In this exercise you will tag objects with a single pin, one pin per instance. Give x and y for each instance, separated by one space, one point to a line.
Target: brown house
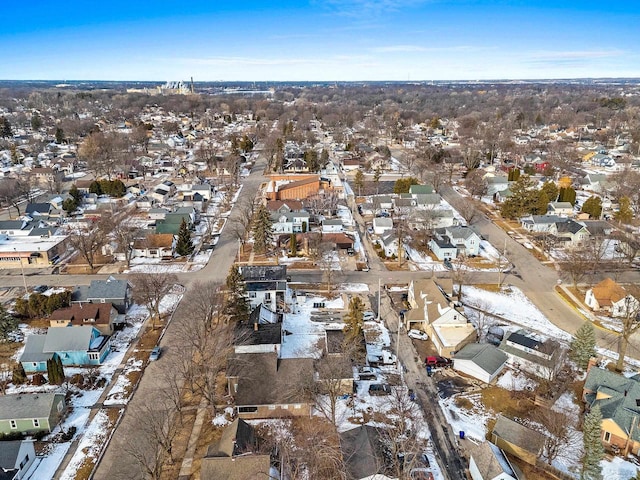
155 245
103 316
293 187
265 386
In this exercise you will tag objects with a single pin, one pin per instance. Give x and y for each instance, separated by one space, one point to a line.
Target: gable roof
518 435
77 314
361 451
34 349
489 459
254 273
608 292
484 355
264 379
245 467
69 339
420 189
27 405
237 438
110 288
9 455
619 398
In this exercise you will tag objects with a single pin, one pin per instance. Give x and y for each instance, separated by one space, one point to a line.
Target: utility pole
379 297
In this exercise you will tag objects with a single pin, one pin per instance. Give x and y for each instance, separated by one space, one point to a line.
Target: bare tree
242 217
468 211
326 264
475 183
89 242
558 431
150 288
576 263
460 273
630 322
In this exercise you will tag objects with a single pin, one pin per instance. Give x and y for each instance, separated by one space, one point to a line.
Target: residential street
116 464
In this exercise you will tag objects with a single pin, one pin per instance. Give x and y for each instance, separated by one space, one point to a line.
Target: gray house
16 457
31 412
116 292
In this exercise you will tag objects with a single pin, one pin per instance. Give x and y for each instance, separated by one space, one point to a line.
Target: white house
488 462
290 222
609 296
560 208
332 225
389 242
434 312
480 360
465 239
381 225
530 353
16 458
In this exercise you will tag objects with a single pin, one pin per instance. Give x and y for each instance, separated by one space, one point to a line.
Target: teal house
31 412
75 346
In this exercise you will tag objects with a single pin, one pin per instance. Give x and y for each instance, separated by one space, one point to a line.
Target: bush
68 435
38 379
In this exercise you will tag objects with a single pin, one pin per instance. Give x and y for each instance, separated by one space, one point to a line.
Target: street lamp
24 279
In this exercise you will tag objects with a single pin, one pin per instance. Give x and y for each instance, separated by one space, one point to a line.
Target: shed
480 360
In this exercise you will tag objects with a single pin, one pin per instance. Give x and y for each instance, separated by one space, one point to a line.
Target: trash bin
461 434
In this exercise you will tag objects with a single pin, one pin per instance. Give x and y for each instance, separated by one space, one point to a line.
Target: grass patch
7 351
463 402
489 287
512 404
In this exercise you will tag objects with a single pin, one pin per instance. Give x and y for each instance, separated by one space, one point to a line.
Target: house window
24 462
607 437
13 424
267 296
247 409
272 407
103 300
94 356
297 406
252 294
36 423
35 365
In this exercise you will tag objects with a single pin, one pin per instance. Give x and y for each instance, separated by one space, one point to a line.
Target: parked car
379 389
351 252
447 264
40 288
368 316
155 354
438 362
418 334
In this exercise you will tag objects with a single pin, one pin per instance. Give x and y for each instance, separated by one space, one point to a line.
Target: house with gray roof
265 285
31 412
619 401
518 440
262 385
421 190
290 222
16 457
111 290
234 456
363 453
531 353
488 462
74 346
480 360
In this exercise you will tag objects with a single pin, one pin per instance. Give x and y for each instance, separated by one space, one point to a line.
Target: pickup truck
437 362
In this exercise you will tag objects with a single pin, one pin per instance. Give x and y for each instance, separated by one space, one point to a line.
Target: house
619 401
340 241
540 223
264 386
293 187
284 206
611 297
363 454
434 312
75 346
265 284
443 249
571 232
420 190
488 462
528 352
172 221
381 225
262 334
155 245
100 315
16 457
116 292
30 412
332 225
560 208
32 251
234 456
517 440
496 184
465 239
290 222
480 360
389 243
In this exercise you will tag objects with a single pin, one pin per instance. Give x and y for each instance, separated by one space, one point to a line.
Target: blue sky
342 40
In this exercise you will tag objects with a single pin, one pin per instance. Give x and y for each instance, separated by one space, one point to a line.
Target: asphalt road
116 464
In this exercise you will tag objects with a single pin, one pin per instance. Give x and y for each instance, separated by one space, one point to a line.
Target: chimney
593 361
255 326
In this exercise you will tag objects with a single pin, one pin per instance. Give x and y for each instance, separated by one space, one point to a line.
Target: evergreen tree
18 376
624 213
567 194
36 122
69 205
184 247
551 189
311 158
59 371
403 185
524 198
358 181
583 345
5 128
52 371
593 206
262 233
293 245
377 173
15 159
354 319
541 204
237 304
514 175
59 135
8 324
593 449
95 187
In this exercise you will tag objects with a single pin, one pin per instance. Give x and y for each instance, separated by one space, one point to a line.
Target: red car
438 362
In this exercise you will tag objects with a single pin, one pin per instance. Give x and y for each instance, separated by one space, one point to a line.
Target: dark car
438 362
40 288
379 389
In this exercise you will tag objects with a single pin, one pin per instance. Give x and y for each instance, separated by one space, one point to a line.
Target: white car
368 316
418 335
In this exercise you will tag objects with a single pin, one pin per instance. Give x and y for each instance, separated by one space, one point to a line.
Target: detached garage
480 360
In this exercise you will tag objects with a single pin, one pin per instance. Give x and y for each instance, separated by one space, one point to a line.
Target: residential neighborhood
251 288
